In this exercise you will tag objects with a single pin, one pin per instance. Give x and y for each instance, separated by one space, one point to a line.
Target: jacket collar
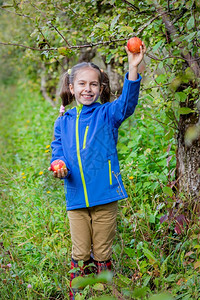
89 108
83 109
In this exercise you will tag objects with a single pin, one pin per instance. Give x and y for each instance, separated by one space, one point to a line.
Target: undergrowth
150 257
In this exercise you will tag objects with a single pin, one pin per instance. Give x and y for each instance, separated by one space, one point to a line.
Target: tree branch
162 13
50 24
100 43
131 5
27 47
183 11
192 63
172 56
13 12
56 29
151 21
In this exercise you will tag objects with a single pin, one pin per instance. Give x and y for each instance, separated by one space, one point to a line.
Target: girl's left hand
134 59
60 173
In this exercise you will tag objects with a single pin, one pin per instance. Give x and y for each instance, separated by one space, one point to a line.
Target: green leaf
124 279
190 36
161 78
157 45
130 252
185 110
170 278
180 96
169 134
149 254
161 297
146 280
152 219
98 287
168 191
190 23
6 5
102 25
106 298
74 270
148 97
117 249
109 57
81 282
126 29
114 21
198 171
163 267
80 263
64 51
104 277
139 292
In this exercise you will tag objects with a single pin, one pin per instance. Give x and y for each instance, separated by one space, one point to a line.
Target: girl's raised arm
134 59
124 106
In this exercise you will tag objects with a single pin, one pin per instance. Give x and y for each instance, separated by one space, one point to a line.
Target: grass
35 247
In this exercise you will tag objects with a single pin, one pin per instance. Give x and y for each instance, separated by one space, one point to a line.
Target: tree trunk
188 137
188 157
116 80
44 91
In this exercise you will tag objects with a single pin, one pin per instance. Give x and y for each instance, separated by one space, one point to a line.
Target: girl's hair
68 78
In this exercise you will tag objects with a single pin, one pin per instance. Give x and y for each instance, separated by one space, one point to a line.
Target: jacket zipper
85 136
79 157
110 171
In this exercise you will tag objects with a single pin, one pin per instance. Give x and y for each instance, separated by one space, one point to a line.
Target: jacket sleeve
56 145
121 108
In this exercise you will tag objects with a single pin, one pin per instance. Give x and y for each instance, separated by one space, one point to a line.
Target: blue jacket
86 140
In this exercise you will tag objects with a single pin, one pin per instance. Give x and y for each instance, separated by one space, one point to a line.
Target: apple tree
56 34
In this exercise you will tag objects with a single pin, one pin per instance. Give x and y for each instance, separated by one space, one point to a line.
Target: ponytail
105 94
65 93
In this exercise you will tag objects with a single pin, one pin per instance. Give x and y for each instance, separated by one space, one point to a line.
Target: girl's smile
86 87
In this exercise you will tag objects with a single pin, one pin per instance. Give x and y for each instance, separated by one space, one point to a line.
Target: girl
86 139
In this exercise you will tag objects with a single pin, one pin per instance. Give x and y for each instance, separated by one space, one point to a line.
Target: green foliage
95 281
34 230
151 254
35 247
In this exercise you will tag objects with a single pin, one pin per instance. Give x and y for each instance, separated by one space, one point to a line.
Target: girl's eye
94 84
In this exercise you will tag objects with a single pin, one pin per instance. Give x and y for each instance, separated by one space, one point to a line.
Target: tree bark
188 158
188 151
116 80
44 91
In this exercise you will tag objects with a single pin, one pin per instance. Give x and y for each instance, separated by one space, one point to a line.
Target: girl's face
86 87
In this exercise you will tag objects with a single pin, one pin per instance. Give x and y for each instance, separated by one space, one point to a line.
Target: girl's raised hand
134 59
61 173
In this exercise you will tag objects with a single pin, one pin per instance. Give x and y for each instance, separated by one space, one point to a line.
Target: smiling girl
86 139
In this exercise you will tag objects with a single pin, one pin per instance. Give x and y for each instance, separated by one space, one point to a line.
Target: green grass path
34 235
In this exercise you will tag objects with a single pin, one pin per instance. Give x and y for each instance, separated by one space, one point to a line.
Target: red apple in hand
134 44
57 165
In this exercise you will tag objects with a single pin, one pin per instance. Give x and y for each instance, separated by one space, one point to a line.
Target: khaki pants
93 228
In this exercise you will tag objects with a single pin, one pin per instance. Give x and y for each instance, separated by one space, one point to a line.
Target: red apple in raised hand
134 44
57 165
